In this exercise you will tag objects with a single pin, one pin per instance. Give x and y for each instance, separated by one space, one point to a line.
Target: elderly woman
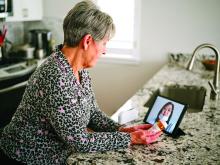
59 105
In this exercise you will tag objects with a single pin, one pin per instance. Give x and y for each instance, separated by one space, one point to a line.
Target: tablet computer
169 110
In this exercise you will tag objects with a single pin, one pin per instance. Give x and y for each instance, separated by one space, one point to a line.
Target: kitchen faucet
214 85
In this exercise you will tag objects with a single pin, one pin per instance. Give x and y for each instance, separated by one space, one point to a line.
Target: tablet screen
168 110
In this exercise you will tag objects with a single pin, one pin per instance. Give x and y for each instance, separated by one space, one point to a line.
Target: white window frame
122 55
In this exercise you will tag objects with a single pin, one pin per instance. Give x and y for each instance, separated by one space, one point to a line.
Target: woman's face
96 49
167 110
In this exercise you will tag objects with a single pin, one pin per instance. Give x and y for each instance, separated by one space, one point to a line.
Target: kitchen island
199 145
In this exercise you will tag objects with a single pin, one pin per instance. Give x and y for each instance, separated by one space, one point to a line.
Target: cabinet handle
25 12
6 5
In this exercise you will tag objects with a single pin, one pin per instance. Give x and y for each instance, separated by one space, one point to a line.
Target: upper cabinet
26 10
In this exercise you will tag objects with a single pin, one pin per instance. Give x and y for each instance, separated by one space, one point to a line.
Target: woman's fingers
144 137
135 128
144 126
152 138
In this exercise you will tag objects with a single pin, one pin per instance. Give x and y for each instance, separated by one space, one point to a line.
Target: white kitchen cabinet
26 10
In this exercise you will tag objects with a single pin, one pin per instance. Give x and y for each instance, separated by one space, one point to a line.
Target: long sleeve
70 115
52 119
100 121
70 121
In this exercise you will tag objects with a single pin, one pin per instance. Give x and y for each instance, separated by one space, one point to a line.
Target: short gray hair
86 18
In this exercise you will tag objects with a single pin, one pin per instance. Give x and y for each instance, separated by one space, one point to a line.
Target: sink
194 96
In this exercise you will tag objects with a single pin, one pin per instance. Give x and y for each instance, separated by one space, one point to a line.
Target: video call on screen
156 112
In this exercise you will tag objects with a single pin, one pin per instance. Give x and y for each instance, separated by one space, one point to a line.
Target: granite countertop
200 145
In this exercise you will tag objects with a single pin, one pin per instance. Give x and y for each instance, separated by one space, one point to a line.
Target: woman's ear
86 41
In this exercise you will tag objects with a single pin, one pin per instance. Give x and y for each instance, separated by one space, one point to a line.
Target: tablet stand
179 132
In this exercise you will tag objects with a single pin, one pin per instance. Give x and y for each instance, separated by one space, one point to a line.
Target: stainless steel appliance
6 8
41 40
13 81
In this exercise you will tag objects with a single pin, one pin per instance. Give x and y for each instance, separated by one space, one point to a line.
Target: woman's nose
165 112
104 51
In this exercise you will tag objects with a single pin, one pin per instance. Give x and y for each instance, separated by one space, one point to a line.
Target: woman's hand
135 128
144 137
140 134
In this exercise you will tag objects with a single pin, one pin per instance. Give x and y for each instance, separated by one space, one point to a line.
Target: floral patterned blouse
52 119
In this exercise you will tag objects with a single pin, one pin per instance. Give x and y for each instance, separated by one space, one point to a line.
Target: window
124 46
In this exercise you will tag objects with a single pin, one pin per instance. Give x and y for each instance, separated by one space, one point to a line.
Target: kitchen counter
200 145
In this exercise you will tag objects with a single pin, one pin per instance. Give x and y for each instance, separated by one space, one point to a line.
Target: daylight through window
123 47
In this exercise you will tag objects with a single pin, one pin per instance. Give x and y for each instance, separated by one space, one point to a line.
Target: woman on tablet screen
165 114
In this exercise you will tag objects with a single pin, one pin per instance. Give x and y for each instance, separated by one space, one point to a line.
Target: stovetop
12 70
8 62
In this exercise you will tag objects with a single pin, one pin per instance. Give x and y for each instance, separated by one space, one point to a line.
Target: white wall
175 25
166 26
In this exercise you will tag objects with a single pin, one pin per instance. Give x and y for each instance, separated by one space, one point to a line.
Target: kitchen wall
166 26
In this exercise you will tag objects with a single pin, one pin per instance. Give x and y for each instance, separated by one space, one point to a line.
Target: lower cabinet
10 98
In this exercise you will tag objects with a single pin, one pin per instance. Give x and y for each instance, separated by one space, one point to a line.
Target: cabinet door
26 10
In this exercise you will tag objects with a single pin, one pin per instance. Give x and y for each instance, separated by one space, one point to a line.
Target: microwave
6 8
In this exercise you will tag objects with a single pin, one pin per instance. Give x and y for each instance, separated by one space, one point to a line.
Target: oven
6 8
13 81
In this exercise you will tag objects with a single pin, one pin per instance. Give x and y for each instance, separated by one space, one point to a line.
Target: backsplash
55 25
18 31
15 32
